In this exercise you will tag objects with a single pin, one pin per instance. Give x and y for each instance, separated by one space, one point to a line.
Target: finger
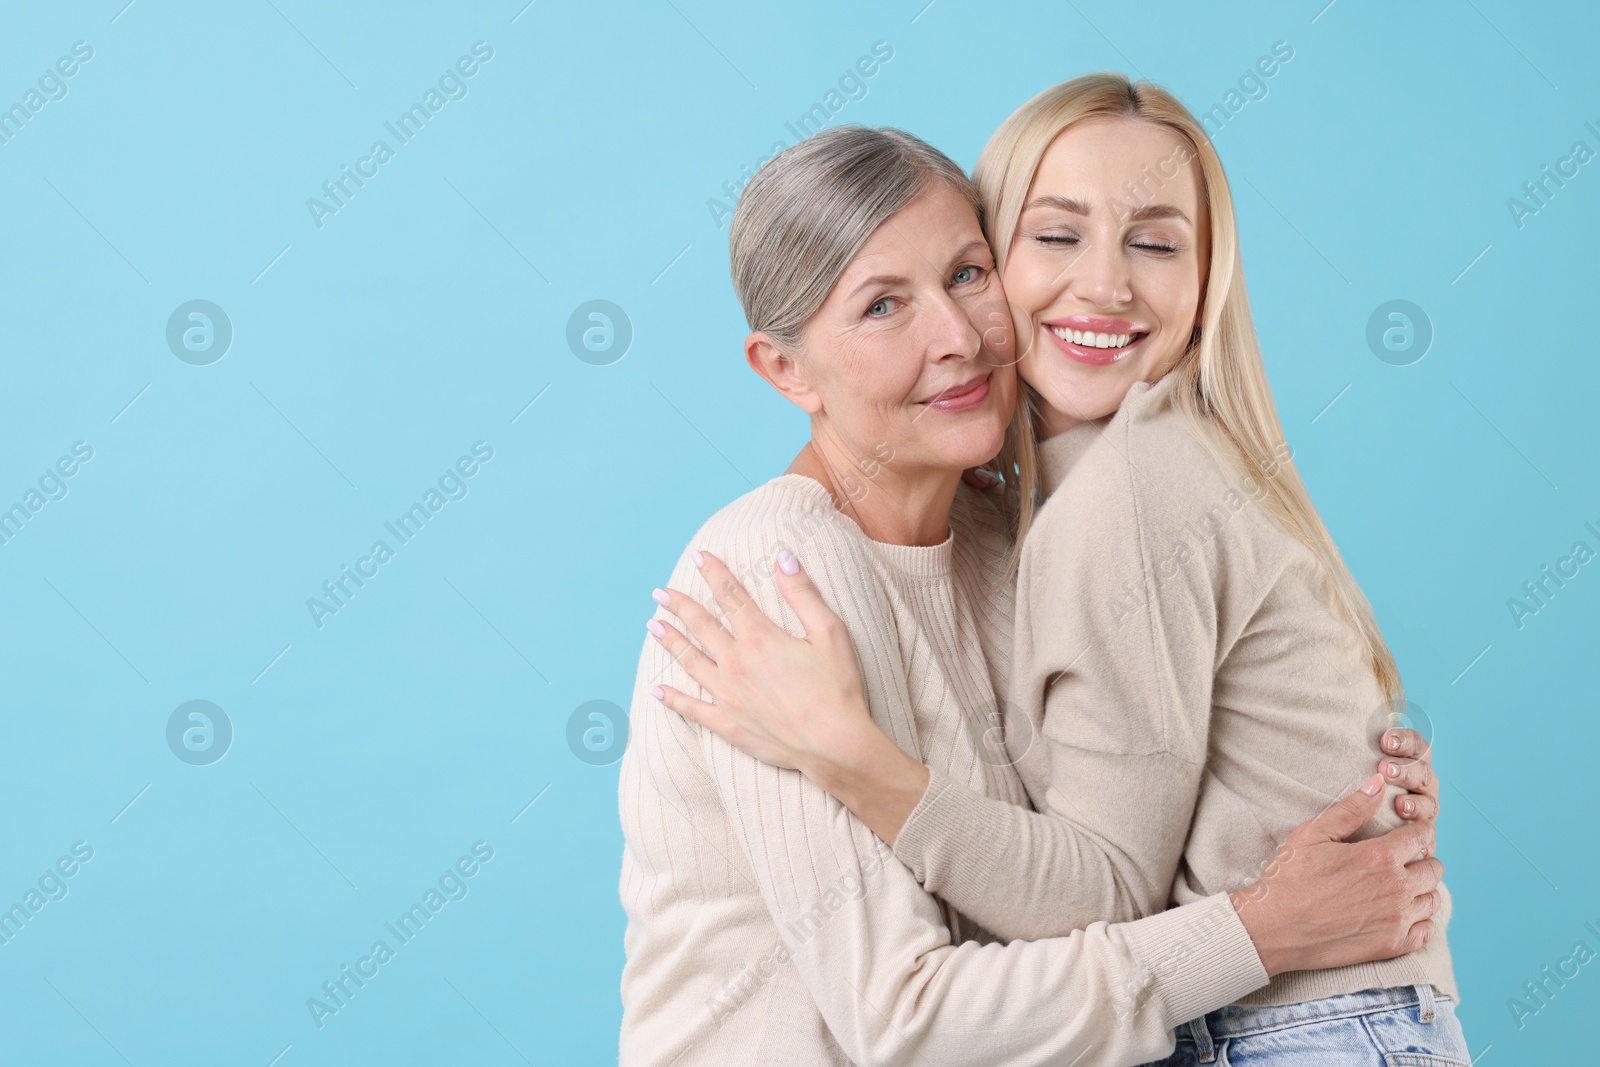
1405 743
980 477
1405 844
805 598
701 667
1424 877
699 712
1421 933
1417 775
703 626
1414 807
737 607
1347 814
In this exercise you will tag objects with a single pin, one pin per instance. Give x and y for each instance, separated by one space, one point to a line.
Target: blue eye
965 275
878 308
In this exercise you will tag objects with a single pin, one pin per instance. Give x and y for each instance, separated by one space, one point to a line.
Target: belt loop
1425 997
1202 1040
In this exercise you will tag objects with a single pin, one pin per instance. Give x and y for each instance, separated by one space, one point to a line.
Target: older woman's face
910 357
1104 272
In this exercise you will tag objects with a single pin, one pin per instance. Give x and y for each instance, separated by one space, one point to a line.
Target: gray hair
808 211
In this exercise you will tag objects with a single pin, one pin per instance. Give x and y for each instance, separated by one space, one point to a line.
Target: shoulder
797 513
790 511
1150 466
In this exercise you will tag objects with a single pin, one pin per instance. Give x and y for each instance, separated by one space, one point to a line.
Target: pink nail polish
787 562
658 692
698 557
655 627
660 597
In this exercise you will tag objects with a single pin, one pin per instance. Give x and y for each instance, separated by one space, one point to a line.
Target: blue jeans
1408 1026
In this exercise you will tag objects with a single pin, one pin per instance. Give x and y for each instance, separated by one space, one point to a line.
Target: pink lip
1095 357
1097 324
961 397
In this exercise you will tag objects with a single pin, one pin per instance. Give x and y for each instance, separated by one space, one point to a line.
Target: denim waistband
1237 1020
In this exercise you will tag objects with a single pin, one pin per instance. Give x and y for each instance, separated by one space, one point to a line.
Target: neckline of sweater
916 561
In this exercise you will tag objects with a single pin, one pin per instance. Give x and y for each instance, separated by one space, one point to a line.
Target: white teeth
1093 340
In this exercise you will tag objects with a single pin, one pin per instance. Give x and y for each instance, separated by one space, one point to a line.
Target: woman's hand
789 701
1409 765
1323 903
793 702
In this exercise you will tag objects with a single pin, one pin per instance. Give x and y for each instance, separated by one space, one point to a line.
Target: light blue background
370 353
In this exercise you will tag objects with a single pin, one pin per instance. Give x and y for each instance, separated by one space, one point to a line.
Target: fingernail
658 692
787 562
1407 806
1374 785
655 627
698 557
660 597
1392 742
1391 769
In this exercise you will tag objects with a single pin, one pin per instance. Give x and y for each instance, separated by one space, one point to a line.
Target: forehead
937 223
1097 157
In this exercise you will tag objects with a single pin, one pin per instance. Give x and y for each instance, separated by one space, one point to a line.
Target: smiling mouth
1090 339
1099 349
961 397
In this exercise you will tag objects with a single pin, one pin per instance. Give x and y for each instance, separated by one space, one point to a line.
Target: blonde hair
1222 383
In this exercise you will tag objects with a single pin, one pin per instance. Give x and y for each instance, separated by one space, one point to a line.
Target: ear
781 371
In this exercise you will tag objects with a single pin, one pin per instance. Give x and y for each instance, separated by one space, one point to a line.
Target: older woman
766 923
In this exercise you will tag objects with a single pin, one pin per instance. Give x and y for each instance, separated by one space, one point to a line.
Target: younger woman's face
1105 270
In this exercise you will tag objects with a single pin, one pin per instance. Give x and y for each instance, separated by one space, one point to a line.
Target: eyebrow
1138 214
974 245
880 279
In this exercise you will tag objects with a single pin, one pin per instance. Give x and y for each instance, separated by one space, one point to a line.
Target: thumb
802 593
1348 814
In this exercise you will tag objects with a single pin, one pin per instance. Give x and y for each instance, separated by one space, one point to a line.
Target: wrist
850 760
873 777
1263 926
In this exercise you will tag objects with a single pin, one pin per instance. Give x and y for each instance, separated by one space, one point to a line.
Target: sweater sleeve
1021 873
1115 642
872 946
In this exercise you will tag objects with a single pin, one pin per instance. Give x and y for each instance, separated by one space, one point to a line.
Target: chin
972 450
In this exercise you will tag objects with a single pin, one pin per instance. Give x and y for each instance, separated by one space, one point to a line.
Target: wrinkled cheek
1000 327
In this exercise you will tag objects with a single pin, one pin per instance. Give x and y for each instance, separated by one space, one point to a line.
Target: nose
952 335
1100 276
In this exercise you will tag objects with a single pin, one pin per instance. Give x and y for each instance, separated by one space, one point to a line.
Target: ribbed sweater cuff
1196 958
947 837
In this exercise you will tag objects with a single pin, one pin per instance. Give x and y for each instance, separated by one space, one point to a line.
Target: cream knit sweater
766 925
1182 698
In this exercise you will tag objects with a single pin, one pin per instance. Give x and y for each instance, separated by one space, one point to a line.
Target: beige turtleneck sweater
767 925
1183 696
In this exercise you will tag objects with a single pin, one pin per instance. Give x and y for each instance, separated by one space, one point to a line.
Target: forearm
893 988
1020 873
